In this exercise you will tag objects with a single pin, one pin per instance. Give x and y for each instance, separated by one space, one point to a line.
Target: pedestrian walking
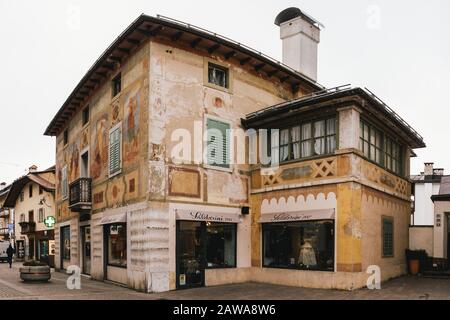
9 253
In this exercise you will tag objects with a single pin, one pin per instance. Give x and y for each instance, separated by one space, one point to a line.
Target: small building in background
426 230
32 199
6 216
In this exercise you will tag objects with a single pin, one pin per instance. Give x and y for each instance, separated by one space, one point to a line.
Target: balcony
80 195
27 227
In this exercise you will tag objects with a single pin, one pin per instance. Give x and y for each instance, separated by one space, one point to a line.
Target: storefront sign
196 215
52 247
324 214
118 218
50 222
20 247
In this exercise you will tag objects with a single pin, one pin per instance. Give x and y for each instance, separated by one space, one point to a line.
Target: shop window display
299 245
117 245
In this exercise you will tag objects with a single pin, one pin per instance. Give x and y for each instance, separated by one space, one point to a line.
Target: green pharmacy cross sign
50 221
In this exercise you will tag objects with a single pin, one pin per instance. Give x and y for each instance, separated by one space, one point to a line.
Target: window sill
212 167
112 175
116 266
216 87
297 269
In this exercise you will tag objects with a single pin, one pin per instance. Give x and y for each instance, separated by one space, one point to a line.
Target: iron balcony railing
80 195
27 227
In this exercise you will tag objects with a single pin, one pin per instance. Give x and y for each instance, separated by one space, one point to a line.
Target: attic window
218 75
66 137
117 85
85 115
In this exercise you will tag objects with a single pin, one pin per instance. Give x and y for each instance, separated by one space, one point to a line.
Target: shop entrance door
43 251
190 255
86 249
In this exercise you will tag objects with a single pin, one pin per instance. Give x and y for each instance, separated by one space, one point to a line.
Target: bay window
307 140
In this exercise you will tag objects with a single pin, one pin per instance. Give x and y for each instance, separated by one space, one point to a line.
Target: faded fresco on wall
132 107
74 156
116 113
99 140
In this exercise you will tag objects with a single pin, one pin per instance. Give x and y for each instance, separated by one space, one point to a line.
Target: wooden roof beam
177 36
245 61
196 42
124 50
230 54
270 74
259 66
212 49
133 41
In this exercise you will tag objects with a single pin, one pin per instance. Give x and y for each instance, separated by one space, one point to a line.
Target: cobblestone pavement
416 288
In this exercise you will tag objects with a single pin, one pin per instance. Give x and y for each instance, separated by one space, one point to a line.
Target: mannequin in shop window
307 256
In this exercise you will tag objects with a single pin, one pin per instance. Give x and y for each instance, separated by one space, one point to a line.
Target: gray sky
398 49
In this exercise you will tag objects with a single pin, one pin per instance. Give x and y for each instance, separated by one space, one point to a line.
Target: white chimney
428 168
301 36
33 168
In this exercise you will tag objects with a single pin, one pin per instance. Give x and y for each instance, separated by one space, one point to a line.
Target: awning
196 215
306 215
116 218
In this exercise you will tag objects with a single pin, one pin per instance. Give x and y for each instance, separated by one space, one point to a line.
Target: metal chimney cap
292 13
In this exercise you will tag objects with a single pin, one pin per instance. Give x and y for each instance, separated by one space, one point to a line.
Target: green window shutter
218 143
115 151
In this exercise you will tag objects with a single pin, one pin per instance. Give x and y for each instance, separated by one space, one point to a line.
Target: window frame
385 137
107 233
62 239
221 224
115 79
263 229
85 121
312 139
41 215
206 62
118 126
30 190
66 137
229 168
390 220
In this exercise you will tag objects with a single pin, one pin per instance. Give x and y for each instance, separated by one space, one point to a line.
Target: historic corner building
31 198
126 212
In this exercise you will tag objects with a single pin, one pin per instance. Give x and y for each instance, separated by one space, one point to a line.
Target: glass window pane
299 245
331 144
331 126
117 244
296 150
319 128
306 149
220 245
306 131
284 136
366 132
372 136
319 146
284 153
65 242
295 134
372 152
366 149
